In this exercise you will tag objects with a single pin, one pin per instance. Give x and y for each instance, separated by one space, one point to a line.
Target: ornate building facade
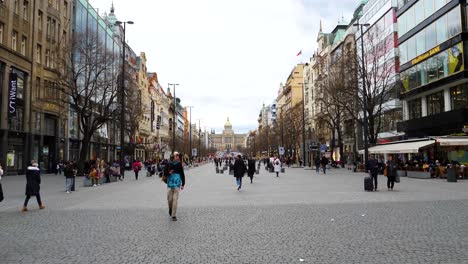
228 140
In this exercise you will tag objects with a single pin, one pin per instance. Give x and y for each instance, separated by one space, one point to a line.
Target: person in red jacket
136 168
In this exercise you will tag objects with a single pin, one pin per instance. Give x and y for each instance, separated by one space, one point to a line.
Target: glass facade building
432 42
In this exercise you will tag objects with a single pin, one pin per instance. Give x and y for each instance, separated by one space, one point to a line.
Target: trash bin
451 175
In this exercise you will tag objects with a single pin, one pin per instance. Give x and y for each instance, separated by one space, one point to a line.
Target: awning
399 148
452 141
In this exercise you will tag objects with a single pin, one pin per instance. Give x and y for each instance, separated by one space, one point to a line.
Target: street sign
194 152
281 150
313 146
323 148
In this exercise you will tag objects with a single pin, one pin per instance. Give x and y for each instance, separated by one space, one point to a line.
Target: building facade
228 141
432 43
31 125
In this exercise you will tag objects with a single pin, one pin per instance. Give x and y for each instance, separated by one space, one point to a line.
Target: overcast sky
229 56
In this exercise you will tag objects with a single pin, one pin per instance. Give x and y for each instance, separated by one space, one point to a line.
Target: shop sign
12 93
425 55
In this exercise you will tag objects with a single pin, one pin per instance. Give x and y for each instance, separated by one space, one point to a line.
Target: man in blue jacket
175 183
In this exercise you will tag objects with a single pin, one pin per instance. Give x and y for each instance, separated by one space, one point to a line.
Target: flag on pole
300 52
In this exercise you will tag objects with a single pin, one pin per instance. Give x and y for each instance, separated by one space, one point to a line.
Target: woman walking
33 182
277 166
251 169
239 171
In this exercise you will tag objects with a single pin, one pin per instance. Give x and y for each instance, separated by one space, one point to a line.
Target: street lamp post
190 133
174 122
303 126
364 92
122 98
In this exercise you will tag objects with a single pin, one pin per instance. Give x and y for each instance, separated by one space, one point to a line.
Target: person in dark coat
239 171
372 168
251 169
33 182
392 168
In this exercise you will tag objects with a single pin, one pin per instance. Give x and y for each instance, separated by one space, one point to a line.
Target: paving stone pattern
300 215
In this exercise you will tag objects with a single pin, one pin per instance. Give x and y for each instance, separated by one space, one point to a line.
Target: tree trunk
340 145
332 144
84 153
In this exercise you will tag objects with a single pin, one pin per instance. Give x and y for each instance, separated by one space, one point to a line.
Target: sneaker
68 192
94 185
24 209
42 207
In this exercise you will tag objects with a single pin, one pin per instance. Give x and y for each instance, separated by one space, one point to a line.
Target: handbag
385 172
164 178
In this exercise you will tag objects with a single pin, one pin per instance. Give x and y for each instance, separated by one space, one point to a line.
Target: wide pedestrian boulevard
298 217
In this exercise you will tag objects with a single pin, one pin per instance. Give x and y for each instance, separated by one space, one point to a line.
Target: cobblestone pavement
297 217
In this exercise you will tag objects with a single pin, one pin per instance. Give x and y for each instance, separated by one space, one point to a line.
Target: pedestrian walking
277 166
69 175
33 183
239 171
251 169
372 167
317 164
1 190
324 163
175 179
392 168
136 168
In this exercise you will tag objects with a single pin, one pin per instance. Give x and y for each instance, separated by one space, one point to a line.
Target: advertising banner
12 93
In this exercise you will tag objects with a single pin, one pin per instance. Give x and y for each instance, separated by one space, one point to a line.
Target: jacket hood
33 168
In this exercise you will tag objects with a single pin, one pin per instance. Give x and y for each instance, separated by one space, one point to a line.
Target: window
53 27
14 39
442 64
421 74
459 96
418 12
402 25
38 122
454 22
39 20
431 37
411 48
37 91
438 4
435 103
2 28
15 6
23 45
48 25
20 86
65 8
403 52
25 10
47 58
428 7
431 67
52 60
412 78
38 53
420 43
414 108
441 29
16 123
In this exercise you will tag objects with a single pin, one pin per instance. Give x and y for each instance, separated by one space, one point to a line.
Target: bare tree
335 101
134 109
378 75
87 84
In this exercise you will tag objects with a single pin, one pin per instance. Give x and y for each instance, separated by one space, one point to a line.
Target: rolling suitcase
368 184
